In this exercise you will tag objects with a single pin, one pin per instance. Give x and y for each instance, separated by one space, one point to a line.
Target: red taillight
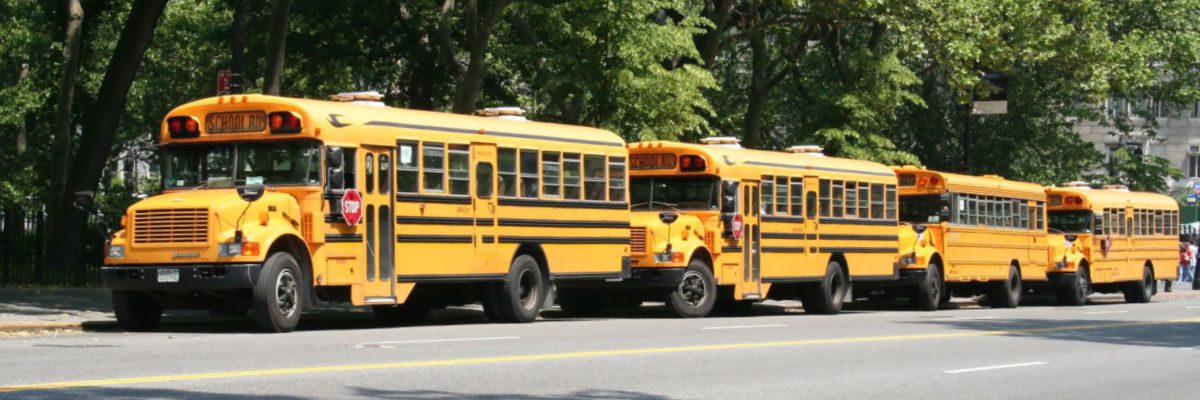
933 181
183 127
922 181
284 122
689 163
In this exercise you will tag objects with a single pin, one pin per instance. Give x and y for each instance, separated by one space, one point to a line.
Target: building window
1193 169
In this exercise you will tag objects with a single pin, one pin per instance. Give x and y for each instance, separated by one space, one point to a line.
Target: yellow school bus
975 235
716 222
1124 240
271 204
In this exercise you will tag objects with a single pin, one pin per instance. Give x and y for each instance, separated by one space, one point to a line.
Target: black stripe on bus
435 220
832 236
343 238
854 249
434 238
731 249
493 133
450 278
563 203
856 221
565 240
782 249
572 276
775 235
331 218
816 168
489 239
417 198
792 279
787 219
551 223
864 278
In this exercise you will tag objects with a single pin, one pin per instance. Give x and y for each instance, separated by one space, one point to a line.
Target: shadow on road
139 393
578 394
1134 333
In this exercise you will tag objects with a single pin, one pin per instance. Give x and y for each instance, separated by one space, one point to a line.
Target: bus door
811 223
379 220
1124 268
483 200
751 237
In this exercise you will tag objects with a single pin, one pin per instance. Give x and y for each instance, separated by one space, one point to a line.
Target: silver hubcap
692 288
528 290
285 293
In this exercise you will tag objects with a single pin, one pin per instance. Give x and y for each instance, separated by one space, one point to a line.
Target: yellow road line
558 356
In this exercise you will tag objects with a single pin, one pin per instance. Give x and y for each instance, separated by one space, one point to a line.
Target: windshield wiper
653 202
208 182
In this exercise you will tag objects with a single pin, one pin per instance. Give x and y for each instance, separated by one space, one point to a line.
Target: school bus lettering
235 122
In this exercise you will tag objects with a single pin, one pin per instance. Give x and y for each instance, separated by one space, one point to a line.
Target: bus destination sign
652 161
234 122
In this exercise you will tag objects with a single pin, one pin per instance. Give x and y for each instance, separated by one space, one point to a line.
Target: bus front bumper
180 276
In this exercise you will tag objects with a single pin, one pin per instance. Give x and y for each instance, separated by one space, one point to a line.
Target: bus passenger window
460 169
797 196
551 174
826 210
593 177
507 160
483 180
406 168
876 200
811 199
864 200
851 199
529 173
890 198
616 179
781 194
433 161
768 187
839 199
571 176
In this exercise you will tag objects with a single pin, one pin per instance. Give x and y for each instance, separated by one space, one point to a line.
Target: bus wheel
1007 294
136 311
414 311
581 302
278 299
827 297
696 293
928 296
523 292
1075 293
1141 291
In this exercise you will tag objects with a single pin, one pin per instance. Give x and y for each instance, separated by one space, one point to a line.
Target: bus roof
986 185
327 119
752 162
1099 199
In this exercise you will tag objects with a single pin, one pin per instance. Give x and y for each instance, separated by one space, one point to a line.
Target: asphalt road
1107 350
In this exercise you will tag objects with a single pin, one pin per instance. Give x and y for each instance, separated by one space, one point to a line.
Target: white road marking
1107 312
1028 364
743 326
1192 307
1190 348
387 344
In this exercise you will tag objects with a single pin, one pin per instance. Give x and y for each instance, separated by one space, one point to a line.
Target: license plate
652 161
232 122
168 275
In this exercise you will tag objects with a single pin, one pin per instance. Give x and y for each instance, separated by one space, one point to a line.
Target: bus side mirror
944 214
729 206
335 176
1097 222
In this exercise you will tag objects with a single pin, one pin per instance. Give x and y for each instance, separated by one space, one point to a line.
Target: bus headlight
1060 265
668 257
229 249
908 260
116 251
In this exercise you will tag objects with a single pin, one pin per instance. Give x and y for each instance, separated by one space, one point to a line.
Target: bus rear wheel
1076 292
136 311
928 293
523 292
1142 290
696 293
1007 294
278 294
827 297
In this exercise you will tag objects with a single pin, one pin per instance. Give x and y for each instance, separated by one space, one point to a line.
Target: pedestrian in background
1192 266
1185 262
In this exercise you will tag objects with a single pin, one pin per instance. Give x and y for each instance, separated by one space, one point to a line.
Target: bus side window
460 169
406 168
797 196
781 195
529 173
876 201
768 187
864 200
838 198
616 179
507 160
551 174
826 210
593 177
433 163
483 180
851 199
571 176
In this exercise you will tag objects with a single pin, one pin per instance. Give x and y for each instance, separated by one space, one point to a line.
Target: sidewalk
79 309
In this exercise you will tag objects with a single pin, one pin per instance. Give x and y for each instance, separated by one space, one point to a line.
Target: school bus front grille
178 225
637 240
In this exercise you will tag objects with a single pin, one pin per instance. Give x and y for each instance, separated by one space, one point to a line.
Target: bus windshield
680 193
920 209
222 165
1077 221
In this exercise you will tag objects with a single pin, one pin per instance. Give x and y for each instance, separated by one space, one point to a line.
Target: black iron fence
22 234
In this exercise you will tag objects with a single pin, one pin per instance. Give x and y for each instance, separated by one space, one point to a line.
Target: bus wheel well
535 251
841 259
702 254
936 259
296 247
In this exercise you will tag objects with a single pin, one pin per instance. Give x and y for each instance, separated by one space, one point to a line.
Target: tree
277 46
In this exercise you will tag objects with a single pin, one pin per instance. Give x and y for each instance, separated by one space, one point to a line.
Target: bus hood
212 214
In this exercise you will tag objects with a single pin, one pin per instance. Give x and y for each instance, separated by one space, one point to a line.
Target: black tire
136 311
412 312
696 293
279 294
1141 291
581 302
928 294
524 291
1076 292
828 296
1007 294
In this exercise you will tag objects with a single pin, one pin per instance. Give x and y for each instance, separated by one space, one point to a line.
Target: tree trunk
709 43
60 146
238 68
100 128
478 34
759 87
22 141
278 46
